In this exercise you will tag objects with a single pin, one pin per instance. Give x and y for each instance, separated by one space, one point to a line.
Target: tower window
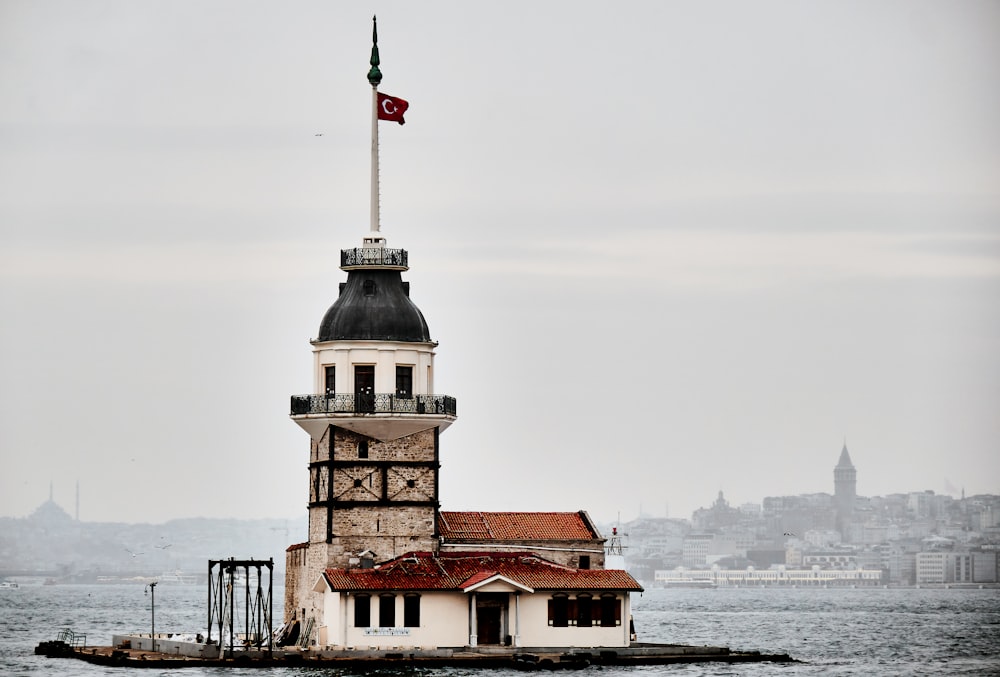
331 381
404 382
584 561
410 484
387 611
369 287
363 449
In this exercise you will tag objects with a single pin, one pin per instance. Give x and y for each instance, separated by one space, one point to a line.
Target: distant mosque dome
374 305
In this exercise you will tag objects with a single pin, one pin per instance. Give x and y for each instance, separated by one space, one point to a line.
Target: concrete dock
551 658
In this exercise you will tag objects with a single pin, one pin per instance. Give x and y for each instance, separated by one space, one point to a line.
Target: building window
584 561
387 611
411 611
369 287
363 449
611 611
331 381
584 611
404 382
362 611
559 610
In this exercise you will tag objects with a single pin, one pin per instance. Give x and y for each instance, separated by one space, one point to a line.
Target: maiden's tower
384 566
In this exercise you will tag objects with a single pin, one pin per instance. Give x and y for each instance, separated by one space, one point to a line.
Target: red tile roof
459 571
516 526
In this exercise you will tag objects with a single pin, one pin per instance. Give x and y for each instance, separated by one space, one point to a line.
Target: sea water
862 631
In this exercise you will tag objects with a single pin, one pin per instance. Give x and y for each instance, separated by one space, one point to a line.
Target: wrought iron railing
374 256
373 403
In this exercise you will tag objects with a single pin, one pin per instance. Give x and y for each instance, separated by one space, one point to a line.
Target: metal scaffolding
228 581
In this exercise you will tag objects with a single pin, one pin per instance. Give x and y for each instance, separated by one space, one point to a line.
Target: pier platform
551 658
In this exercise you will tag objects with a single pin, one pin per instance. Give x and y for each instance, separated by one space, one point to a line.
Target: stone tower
845 482
374 425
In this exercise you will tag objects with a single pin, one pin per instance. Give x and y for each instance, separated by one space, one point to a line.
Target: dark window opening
404 382
362 611
584 611
369 287
364 388
357 483
363 449
559 610
611 611
410 484
411 611
584 561
387 611
331 381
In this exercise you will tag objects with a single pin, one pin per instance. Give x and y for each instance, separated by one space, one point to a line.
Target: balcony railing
374 256
373 403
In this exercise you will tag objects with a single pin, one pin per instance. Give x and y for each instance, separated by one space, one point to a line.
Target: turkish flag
391 108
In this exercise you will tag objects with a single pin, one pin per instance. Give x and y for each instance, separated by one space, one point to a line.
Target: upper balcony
384 416
373 403
374 257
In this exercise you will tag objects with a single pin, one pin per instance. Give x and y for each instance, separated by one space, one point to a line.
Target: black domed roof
374 305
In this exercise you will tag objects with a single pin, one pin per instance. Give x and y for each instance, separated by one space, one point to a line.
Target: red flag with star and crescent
391 108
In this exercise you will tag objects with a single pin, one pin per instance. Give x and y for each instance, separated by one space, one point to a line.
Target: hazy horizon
667 248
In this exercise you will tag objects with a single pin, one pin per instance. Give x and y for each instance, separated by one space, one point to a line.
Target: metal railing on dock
74 639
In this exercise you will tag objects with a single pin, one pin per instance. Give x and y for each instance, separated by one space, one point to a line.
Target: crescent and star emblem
388 107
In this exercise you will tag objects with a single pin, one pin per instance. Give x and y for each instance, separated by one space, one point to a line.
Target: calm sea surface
834 632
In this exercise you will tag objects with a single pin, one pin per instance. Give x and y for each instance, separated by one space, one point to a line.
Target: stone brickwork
375 496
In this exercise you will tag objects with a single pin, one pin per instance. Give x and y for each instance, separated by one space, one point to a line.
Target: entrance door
364 388
490 607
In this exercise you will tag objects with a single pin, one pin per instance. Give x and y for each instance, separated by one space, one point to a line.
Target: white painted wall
385 355
536 631
444 619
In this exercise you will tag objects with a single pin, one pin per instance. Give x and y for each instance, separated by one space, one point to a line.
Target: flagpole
374 78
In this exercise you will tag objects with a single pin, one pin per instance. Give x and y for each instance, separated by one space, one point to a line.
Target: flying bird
789 533
134 554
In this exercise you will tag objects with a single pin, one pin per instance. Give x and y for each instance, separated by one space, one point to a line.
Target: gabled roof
517 526
464 571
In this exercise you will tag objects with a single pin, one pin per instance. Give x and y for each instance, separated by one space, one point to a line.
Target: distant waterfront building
845 484
814 576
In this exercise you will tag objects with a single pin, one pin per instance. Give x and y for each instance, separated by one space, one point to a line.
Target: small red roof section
459 571
517 526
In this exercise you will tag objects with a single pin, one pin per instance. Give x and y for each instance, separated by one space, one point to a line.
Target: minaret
373 421
845 481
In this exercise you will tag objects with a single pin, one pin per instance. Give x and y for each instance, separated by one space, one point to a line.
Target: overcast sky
667 248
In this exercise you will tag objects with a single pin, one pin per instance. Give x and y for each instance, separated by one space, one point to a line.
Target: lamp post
151 588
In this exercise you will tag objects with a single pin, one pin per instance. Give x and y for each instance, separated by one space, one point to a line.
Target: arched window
559 610
386 611
611 611
411 610
362 611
